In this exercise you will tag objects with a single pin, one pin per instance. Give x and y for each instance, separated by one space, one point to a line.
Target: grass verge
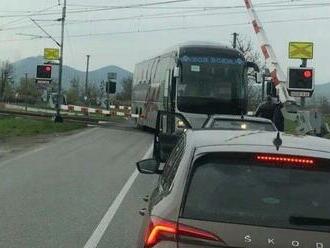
19 126
290 126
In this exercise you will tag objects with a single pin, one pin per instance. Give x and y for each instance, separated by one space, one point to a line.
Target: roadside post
26 91
111 86
301 79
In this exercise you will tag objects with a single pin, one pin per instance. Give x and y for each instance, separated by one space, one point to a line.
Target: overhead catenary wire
154 6
100 9
179 14
173 15
23 17
189 27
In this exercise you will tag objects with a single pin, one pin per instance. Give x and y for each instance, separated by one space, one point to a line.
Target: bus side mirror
258 76
271 89
253 65
176 72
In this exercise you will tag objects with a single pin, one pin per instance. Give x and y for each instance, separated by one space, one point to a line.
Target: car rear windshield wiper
308 221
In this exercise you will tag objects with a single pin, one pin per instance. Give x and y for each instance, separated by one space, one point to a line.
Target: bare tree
126 94
246 47
73 93
28 91
324 105
6 71
94 93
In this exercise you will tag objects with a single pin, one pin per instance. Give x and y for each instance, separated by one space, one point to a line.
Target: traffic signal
111 87
44 72
301 79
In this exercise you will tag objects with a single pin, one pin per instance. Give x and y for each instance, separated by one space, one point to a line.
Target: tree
247 48
6 71
74 92
9 93
27 90
94 93
126 94
324 105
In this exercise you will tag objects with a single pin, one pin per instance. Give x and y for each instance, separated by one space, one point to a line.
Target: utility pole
2 83
235 35
87 72
58 117
4 77
303 99
108 94
26 91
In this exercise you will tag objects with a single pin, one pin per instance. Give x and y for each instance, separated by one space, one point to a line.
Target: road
80 191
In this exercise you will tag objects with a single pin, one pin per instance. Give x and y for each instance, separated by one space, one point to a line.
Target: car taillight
286 159
160 229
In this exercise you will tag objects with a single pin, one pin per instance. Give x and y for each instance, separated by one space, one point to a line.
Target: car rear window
242 125
239 189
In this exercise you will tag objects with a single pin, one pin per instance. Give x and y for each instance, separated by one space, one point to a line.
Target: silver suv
238 189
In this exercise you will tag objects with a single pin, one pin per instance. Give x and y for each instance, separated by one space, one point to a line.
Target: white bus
195 80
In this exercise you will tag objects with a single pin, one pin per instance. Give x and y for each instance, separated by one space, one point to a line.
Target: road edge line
99 231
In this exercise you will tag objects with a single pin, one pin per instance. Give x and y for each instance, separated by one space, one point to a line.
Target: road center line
107 218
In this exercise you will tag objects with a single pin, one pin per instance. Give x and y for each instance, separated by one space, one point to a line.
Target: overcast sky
125 50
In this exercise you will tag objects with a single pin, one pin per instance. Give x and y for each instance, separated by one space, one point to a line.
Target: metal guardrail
124 111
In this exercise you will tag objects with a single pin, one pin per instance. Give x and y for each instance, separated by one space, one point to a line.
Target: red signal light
44 72
160 229
286 159
308 74
47 68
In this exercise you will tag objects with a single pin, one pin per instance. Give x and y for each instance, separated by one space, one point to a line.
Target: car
235 122
234 188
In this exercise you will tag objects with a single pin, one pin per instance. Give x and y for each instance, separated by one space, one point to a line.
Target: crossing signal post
44 73
301 79
43 76
111 86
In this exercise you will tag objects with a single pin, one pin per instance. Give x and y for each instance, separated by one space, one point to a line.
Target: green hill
29 65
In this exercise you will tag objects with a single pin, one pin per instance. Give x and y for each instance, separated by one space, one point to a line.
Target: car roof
258 141
239 117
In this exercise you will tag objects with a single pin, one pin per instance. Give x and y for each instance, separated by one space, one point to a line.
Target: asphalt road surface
80 191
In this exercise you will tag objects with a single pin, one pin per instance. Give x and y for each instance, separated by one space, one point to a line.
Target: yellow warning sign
51 54
301 50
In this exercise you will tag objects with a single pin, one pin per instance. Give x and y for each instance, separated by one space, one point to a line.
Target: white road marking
23 155
107 218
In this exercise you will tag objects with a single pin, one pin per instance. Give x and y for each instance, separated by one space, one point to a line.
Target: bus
196 80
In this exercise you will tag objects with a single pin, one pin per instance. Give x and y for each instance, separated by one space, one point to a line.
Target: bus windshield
211 85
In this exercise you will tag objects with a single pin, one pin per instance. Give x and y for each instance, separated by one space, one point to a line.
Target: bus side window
167 82
163 124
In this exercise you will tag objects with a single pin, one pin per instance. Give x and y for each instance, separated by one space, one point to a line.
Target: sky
126 36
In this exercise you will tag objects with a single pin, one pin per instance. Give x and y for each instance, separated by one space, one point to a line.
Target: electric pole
87 72
26 91
235 35
303 99
58 117
2 83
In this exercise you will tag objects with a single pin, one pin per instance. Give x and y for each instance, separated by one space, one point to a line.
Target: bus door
167 136
167 88
173 91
